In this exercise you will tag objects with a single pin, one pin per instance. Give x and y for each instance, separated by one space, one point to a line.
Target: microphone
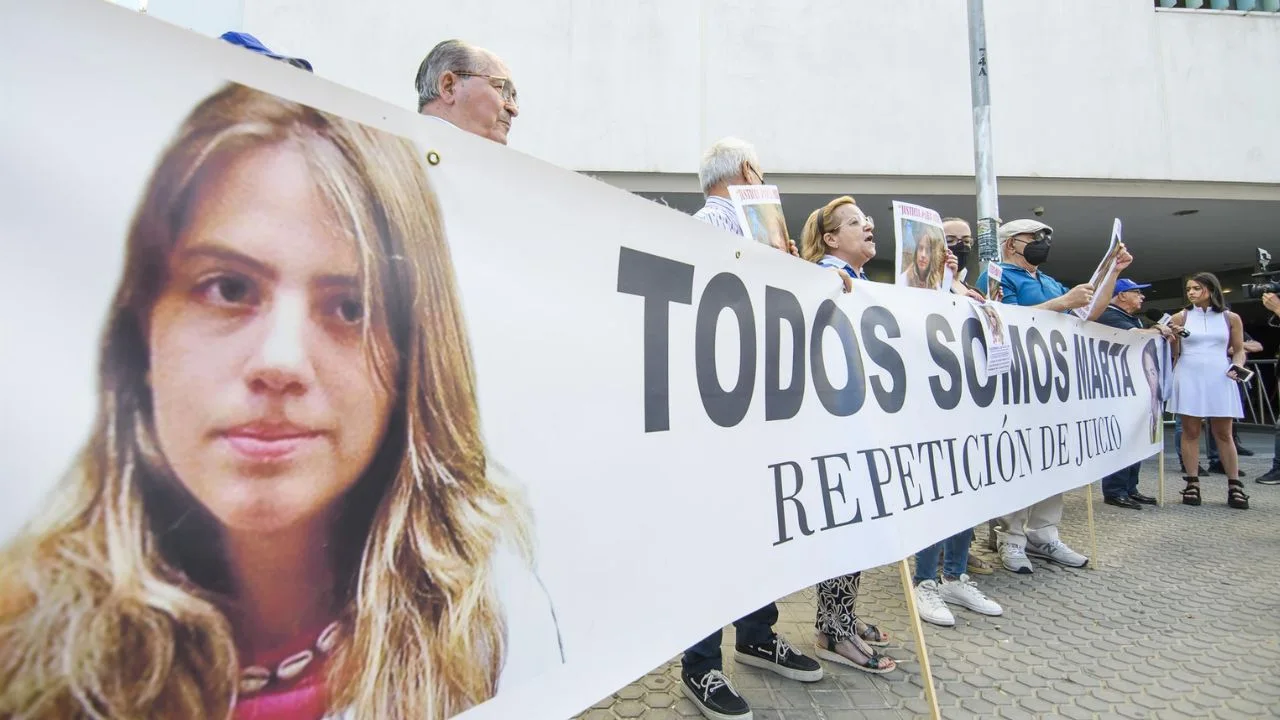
1164 319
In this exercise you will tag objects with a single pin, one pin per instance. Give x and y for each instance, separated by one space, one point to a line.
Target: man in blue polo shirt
1025 246
1120 488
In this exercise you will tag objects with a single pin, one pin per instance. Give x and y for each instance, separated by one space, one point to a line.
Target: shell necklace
256 678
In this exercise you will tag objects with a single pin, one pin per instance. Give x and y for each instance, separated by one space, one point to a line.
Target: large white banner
237 390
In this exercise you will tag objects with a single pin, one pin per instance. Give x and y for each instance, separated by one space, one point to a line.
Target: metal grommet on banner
433 157
737 254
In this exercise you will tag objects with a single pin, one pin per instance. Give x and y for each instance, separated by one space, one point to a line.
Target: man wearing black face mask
1025 245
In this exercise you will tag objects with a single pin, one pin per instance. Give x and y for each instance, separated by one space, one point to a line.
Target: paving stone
868 699
1016 713
979 708
1015 689
1035 704
1092 704
631 692
1055 696
659 700
831 699
881 715
1108 696
656 682
686 708
1125 687
1075 712
1250 709
1148 701
1132 712
1187 709
1214 691
758 697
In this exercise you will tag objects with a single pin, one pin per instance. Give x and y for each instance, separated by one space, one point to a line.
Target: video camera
1270 278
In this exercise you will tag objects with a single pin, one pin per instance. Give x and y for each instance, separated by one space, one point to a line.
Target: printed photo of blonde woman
285 506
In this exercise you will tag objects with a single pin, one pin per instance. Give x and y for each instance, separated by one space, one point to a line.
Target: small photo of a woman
285 507
924 264
1151 370
995 326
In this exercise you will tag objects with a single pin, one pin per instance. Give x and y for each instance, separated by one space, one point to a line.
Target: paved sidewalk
1181 619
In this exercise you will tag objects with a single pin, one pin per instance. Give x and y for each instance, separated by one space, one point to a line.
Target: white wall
207 17
1095 89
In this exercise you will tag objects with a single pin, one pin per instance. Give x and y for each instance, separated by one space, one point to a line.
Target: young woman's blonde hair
819 223
110 603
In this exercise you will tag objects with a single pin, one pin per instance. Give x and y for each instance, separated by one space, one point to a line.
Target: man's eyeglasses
1032 237
504 85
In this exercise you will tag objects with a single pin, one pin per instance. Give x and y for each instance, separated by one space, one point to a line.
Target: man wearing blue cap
1120 488
249 42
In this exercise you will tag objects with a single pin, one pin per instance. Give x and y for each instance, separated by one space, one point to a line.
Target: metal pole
983 158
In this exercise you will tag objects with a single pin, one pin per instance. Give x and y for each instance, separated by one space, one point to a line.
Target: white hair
723 161
447 56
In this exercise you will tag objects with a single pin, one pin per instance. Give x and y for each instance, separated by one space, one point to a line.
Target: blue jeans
1122 483
1275 459
954 551
754 629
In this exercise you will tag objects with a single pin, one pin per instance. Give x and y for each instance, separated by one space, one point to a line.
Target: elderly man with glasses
468 87
731 161
1025 246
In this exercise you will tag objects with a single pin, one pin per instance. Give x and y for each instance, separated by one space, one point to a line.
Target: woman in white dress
1204 383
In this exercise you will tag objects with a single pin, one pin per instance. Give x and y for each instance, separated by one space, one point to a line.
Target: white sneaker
1057 551
930 605
965 593
1014 559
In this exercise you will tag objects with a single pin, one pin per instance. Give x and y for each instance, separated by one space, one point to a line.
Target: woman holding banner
838 235
1204 383
284 508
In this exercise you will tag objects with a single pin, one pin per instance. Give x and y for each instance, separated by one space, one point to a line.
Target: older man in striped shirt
728 162
733 162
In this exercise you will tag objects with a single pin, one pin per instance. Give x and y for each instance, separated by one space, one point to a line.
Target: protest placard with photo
1104 268
920 260
760 214
994 332
995 272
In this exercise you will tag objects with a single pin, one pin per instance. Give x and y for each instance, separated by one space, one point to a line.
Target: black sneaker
714 697
779 656
1271 477
1243 451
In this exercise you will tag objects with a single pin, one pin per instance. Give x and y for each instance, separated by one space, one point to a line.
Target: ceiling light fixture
1184 213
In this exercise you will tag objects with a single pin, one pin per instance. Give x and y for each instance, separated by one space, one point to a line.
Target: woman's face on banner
267 405
1152 372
